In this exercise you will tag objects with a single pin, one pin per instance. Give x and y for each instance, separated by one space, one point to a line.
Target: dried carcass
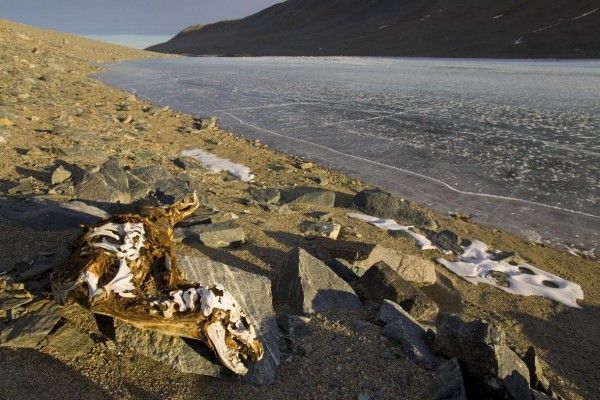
124 267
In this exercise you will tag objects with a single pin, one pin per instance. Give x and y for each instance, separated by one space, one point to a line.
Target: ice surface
477 262
515 144
217 164
391 225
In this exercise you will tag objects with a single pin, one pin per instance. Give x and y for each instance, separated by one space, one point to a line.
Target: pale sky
157 17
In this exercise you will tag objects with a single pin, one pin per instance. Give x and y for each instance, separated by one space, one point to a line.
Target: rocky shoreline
348 308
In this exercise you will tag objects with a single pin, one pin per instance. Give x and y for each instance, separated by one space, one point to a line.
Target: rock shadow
29 374
570 341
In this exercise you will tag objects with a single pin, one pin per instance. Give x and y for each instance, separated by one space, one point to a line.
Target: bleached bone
178 299
122 283
217 335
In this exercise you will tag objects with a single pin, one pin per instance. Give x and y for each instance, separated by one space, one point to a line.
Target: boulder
447 383
447 240
405 330
481 347
265 196
359 256
309 195
381 282
253 293
382 204
59 175
31 328
218 235
416 269
306 285
108 184
183 355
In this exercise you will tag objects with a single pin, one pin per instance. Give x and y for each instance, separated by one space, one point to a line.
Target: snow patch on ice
477 263
217 164
391 225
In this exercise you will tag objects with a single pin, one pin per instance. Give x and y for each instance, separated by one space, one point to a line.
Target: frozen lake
516 144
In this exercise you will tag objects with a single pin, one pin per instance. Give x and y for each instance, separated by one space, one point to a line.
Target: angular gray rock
481 347
381 282
59 175
265 196
306 285
309 195
188 356
253 292
416 269
447 240
448 383
108 183
379 203
405 330
218 235
28 330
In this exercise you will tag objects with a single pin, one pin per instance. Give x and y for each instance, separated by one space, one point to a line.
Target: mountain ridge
434 28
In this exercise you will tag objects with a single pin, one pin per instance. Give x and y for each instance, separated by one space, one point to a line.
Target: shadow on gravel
31 375
571 345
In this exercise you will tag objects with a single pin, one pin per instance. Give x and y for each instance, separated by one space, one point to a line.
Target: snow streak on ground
515 142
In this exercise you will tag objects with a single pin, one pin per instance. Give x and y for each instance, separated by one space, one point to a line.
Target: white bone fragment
122 283
169 308
91 279
178 299
191 297
216 334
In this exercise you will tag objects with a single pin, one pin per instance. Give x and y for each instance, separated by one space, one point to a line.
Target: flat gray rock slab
306 285
70 342
222 234
188 356
30 329
253 292
307 195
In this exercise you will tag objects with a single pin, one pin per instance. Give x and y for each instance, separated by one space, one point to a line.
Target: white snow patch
391 225
477 262
217 164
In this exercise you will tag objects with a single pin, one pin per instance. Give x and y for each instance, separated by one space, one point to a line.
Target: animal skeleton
124 267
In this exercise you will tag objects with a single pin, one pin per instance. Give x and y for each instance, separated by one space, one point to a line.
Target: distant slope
440 28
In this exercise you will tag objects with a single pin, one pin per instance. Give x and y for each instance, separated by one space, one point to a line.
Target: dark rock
321 216
169 190
33 267
382 204
536 373
215 235
309 195
30 329
265 196
448 383
205 123
381 282
253 292
306 285
481 348
405 330
294 325
447 240
138 189
109 184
